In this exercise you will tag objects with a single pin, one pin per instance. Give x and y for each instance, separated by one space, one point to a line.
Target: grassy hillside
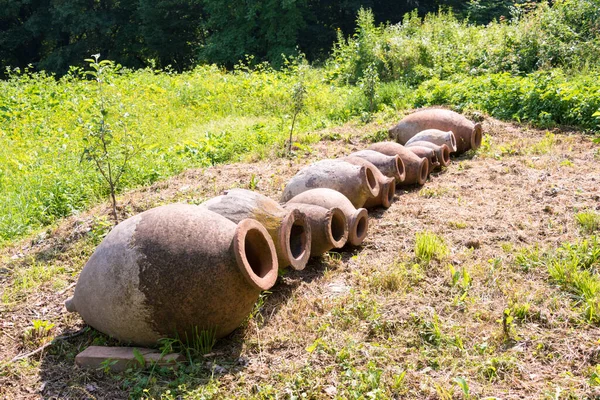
541 68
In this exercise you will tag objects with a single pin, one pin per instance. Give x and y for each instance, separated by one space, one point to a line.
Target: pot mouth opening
372 181
338 227
255 254
453 140
445 155
297 239
476 136
400 171
360 227
389 193
423 171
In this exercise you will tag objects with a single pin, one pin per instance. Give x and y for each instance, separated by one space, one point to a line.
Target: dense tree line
52 35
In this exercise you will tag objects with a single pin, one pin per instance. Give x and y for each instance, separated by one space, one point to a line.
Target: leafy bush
544 98
440 45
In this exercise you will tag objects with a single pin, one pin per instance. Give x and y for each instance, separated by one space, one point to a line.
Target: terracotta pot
173 271
442 152
391 166
435 136
468 134
358 221
357 183
387 186
289 229
426 152
328 227
416 168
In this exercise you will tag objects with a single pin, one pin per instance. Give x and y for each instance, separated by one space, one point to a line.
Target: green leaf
139 357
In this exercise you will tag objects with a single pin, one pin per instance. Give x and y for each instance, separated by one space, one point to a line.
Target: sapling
109 147
298 96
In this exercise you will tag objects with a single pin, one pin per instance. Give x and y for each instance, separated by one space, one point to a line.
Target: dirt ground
334 330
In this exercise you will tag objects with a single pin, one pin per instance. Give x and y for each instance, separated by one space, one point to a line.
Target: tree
108 145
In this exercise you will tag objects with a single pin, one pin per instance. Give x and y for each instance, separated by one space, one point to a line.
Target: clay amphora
468 134
426 152
442 152
387 186
391 166
288 228
358 221
357 183
328 227
416 169
175 271
435 136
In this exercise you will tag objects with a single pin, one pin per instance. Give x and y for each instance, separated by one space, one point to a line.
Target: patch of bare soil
322 329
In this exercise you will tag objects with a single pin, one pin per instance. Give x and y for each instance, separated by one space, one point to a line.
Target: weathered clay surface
435 136
118 359
391 166
426 152
387 186
416 168
358 221
329 227
288 228
442 152
468 134
173 270
357 183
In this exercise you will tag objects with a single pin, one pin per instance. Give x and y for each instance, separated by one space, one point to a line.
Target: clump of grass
398 277
432 193
429 246
457 224
588 221
573 268
543 146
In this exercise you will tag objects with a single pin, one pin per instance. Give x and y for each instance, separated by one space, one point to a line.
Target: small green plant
108 150
431 332
432 193
464 386
299 92
457 224
253 183
594 379
429 246
201 342
459 277
38 332
368 83
588 221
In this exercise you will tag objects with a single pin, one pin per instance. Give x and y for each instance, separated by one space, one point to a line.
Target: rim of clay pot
295 236
337 228
388 190
476 136
444 155
371 181
358 227
400 172
453 140
423 171
255 254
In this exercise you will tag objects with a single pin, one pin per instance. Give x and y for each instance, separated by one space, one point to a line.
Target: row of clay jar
180 269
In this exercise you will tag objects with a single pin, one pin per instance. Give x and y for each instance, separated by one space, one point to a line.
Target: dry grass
372 321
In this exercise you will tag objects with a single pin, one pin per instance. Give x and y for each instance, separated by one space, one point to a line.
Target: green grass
195 119
588 221
429 246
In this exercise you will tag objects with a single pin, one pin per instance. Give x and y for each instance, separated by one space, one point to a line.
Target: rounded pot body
174 271
387 186
425 152
357 183
329 227
390 166
435 136
415 167
288 228
467 134
358 221
442 152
